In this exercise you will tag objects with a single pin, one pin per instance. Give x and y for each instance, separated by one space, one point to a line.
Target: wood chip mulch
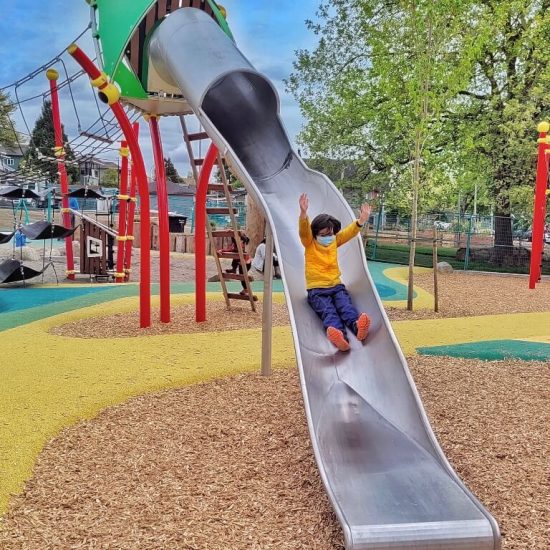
467 294
224 465
228 465
219 318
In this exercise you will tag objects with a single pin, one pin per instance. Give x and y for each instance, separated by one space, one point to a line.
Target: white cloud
268 33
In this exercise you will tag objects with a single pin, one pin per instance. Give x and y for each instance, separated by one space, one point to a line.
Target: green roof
117 21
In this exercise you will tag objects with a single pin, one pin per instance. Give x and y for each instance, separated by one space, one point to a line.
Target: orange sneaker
337 338
363 324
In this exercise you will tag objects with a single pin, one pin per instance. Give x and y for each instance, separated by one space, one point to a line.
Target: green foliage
229 176
109 178
507 94
7 135
378 82
463 82
171 172
522 201
40 155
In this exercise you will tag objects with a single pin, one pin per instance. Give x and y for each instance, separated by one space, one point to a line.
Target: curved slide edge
388 480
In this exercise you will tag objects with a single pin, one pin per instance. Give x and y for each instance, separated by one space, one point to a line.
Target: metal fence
465 241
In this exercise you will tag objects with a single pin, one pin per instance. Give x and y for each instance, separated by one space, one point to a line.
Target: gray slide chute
384 472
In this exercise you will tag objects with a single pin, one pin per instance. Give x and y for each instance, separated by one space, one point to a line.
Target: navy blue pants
333 305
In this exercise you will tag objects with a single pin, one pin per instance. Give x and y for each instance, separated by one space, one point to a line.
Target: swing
14 270
45 230
6 237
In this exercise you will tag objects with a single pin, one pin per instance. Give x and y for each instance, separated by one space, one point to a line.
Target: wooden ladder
232 231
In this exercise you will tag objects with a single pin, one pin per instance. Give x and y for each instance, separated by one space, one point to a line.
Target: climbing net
91 128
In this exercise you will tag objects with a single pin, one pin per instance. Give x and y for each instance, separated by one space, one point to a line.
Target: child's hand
304 204
365 213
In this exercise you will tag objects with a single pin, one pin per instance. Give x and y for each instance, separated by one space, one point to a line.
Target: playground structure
386 476
539 212
383 470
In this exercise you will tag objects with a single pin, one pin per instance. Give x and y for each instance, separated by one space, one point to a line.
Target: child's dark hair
244 239
325 221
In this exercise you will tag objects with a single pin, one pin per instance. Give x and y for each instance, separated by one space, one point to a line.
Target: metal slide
385 474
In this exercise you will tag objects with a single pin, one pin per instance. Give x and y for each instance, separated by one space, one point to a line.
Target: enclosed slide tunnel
384 472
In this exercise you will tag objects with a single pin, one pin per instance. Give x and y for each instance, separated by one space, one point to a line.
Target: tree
171 172
40 154
506 97
8 136
109 178
376 87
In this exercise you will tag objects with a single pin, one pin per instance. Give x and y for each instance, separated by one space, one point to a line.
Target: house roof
173 188
13 151
97 162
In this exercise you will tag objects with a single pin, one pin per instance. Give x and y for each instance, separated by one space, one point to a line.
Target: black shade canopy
12 192
45 230
87 193
12 271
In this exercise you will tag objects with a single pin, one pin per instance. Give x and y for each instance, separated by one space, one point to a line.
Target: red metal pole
164 234
109 93
122 206
200 233
131 213
52 76
539 213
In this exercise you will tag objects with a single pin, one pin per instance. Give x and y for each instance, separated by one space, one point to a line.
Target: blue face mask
325 240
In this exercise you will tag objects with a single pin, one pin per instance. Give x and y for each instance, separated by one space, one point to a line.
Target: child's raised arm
305 229
354 228
364 215
304 205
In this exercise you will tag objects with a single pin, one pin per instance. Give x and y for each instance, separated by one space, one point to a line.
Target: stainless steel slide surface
385 474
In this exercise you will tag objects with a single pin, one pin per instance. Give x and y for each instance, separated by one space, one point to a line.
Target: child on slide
325 292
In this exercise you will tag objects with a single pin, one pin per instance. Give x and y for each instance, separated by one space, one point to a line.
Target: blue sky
32 33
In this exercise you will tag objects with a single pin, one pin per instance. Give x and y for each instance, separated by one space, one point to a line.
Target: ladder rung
234 277
220 211
224 233
197 135
241 297
198 162
229 255
219 187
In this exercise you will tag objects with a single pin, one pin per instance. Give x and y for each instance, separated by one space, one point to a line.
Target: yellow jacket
322 269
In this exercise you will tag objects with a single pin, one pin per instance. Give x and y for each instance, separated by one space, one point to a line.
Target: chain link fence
465 241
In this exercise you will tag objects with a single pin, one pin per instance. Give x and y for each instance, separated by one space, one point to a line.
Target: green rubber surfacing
493 350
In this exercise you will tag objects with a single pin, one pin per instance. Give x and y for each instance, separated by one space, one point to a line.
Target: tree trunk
503 221
414 216
503 230
255 224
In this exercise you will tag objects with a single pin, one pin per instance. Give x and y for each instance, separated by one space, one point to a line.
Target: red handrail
109 93
164 234
131 212
52 76
200 233
539 212
122 207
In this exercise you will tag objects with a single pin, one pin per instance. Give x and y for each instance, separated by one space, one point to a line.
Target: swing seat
13 192
13 271
6 237
43 230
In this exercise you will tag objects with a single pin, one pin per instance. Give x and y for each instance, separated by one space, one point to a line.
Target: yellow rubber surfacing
50 382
